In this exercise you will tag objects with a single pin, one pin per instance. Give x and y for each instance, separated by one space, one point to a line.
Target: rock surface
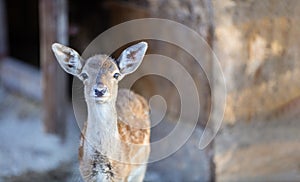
258 48
264 150
257 45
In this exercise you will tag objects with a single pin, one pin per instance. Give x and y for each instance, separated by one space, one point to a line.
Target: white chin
101 100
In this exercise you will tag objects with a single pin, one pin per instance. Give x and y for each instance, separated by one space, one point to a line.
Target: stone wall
197 15
257 43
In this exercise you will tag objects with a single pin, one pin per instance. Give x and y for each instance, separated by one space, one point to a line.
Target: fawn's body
115 139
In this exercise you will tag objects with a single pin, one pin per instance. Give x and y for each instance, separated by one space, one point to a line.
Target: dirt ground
28 154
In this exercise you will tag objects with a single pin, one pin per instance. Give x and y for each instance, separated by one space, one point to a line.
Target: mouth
98 99
101 99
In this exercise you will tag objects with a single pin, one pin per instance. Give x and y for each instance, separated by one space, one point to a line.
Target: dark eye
84 76
116 75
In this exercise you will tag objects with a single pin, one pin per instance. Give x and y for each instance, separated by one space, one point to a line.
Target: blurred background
257 44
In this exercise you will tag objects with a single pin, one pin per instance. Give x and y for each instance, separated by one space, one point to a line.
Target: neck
101 128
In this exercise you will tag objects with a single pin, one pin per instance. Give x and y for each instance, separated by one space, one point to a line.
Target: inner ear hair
68 59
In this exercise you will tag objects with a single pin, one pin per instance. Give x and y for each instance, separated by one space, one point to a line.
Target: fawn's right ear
68 59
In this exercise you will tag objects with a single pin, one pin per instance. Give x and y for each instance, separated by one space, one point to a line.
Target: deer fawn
114 142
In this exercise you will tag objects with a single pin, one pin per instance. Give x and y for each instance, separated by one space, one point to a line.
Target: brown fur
132 130
136 128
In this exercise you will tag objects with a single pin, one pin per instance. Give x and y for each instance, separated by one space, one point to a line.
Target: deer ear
68 59
131 58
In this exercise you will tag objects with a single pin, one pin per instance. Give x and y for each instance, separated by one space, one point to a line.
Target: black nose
99 92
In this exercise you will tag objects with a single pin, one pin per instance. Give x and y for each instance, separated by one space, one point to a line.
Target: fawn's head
100 74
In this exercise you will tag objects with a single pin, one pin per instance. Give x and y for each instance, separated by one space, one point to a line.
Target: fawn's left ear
131 58
68 59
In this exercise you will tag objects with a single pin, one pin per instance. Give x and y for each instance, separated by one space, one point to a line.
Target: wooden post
3 31
53 28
